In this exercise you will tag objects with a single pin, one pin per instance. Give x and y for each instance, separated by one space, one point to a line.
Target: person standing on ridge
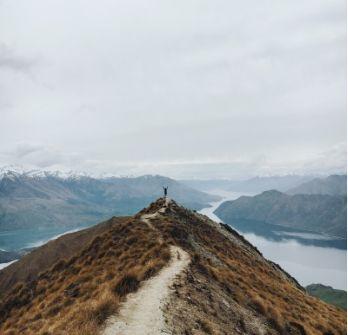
165 190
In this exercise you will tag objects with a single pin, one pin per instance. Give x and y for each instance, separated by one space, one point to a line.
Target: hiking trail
142 312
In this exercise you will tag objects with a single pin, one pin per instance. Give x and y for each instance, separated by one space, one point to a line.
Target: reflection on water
309 236
310 258
278 233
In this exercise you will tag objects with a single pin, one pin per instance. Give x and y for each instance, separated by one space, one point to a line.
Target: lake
309 257
15 240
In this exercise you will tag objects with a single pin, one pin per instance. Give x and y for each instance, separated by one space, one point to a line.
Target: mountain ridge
331 185
228 287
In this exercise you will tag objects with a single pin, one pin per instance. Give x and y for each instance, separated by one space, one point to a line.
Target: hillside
47 200
315 213
41 259
332 185
328 294
165 270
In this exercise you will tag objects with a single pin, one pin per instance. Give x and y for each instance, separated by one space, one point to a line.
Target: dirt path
142 312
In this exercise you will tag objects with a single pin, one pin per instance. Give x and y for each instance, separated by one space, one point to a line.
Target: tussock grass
127 284
253 283
77 295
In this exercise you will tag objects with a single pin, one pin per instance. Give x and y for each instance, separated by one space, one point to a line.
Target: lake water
31 238
296 252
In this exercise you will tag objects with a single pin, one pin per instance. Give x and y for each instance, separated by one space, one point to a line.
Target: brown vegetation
229 288
41 259
234 289
76 295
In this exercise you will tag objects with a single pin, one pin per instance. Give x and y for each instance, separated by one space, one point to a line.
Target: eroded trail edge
142 312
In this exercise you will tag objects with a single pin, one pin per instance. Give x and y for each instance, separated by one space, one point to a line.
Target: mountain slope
43 258
332 185
316 213
51 201
328 294
226 286
78 292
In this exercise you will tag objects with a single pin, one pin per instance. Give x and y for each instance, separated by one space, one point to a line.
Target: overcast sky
188 88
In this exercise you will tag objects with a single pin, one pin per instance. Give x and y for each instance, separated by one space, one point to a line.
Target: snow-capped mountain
12 171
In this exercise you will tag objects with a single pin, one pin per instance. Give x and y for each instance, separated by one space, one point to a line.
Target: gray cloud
24 149
143 87
9 60
34 156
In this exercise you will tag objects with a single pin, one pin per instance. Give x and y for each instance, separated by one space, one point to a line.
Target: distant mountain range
252 185
34 200
311 212
332 185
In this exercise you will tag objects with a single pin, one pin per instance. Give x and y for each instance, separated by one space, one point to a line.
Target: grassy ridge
228 288
78 293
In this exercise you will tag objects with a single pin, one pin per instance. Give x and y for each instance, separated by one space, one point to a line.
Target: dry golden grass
77 295
42 259
253 282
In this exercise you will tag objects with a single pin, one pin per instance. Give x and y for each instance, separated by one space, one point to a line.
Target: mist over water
307 263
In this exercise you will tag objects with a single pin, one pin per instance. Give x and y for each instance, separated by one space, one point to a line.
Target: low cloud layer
188 89
32 157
